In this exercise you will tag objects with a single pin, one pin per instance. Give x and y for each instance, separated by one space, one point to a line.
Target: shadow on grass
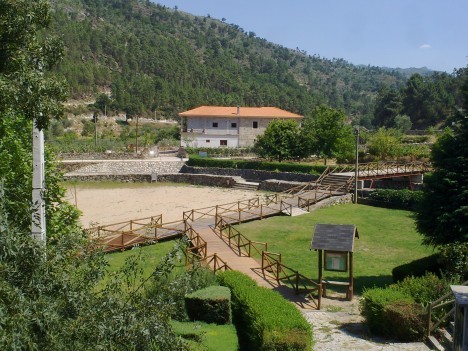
380 281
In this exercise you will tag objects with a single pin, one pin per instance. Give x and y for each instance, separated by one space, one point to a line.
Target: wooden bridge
214 242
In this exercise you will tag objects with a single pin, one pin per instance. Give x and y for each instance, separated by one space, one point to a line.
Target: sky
385 33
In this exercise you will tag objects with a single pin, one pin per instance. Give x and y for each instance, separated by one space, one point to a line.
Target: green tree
387 107
403 123
281 141
442 217
327 135
384 144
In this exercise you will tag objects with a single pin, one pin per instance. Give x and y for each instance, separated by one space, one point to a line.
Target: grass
388 238
151 255
209 337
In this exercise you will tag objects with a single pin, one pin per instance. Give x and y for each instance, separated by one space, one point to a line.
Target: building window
207 141
215 124
223 142
233 125
255 124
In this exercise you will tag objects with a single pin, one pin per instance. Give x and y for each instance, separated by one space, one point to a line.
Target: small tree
281 141
384 144
327 134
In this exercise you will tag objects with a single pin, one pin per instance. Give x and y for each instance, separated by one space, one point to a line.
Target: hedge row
197 161
417 268
398 312
404 199
264 319
210 305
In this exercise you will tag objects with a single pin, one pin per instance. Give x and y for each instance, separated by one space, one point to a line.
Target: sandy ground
112 203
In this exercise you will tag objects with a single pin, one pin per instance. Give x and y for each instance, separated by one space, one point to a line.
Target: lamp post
356 171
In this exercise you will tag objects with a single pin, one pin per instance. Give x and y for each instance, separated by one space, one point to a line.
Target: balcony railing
211 131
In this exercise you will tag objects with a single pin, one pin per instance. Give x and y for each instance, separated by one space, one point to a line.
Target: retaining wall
251 174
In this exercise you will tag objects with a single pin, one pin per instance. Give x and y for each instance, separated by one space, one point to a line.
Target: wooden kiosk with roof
335 246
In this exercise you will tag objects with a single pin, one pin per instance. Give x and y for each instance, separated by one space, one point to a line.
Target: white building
216 126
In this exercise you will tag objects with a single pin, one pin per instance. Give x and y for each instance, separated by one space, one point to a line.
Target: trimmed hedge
373 303
210 305
416 268
197 161
263 318
404 199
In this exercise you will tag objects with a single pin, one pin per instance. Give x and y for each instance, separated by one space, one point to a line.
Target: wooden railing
123 235
125 226
196 252
434 320
237 241
213 211
271 263
385 168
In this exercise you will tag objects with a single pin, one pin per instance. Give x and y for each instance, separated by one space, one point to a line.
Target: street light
356 172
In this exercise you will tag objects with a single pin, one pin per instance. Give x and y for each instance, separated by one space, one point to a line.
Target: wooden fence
213 211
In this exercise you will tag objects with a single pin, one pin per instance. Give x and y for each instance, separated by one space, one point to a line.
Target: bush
196 161
454 260
404 321
373 305
404 199
416 268
210 305
263 318
423 289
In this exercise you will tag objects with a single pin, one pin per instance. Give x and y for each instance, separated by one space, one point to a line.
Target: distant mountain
154 58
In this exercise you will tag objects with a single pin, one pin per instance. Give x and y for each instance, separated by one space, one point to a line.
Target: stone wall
125 167
251 174
277 186
195 179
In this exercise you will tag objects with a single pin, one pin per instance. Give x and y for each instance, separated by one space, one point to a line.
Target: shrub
263 318
416 268
404 199
210 305
454 260
423 289
373 305
404 321
257 165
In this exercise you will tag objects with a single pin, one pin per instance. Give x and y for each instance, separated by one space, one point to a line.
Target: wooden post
320 270
351 277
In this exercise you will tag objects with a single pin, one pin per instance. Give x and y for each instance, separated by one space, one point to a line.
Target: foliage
196 161
326 134
384 144
49 299
373 303
417 268
24 54
264 319
280 141
170 286
442 217
427 101
210 305
404 321
424 289
403 199
398 311
454 260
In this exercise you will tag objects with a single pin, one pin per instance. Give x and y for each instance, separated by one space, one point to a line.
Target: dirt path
338 326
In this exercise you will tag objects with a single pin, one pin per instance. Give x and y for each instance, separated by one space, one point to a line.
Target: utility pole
38 222
136 137
38 226
356 171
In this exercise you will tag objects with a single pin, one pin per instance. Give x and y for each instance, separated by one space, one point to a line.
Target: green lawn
388 238
208 337
151 255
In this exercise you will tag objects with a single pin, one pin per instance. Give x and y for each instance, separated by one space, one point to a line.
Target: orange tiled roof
242 112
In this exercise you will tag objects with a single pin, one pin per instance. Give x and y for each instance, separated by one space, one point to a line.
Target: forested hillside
152 58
